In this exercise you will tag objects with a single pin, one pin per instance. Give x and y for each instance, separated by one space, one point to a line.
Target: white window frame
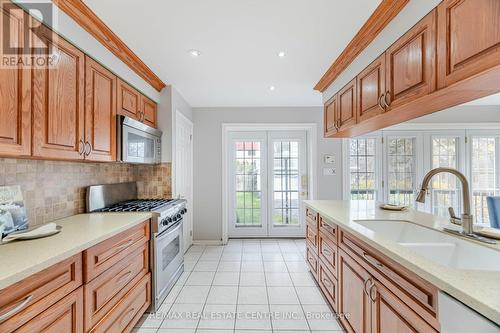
346 177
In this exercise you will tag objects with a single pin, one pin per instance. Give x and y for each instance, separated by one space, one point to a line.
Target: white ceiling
239 41
488 100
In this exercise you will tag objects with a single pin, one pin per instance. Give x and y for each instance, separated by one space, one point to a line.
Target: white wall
75 34
208 158
170 101
414 11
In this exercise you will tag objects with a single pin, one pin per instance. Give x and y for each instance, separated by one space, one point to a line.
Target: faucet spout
467 219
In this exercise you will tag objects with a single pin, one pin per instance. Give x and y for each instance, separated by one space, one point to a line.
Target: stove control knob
178 216
164 222
183 211
169 220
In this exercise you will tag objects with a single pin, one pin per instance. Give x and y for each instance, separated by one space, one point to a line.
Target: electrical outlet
329 159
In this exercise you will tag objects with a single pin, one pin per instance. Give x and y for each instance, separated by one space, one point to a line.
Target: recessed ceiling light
272 88
194 53
281 54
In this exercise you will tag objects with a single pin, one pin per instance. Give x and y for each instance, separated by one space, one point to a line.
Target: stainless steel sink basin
436 246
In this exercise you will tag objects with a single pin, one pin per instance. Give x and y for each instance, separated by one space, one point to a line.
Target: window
248 179
401 170
484 174
444 189
362 169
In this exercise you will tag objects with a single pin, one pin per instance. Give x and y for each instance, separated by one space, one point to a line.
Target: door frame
312 142
179 116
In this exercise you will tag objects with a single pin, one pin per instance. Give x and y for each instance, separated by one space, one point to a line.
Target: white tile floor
246 286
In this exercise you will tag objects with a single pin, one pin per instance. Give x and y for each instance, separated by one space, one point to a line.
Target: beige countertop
20 259
479 290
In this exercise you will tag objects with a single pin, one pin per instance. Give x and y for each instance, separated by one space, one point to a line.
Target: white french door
267 183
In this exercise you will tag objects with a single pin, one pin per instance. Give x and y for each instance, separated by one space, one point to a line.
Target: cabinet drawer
38 292
327 251
328 283
328 228
105 291
127 313
409 287
311 216
312 261
102 256
64 316
312 236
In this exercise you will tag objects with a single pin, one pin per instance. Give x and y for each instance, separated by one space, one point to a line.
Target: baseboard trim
207 242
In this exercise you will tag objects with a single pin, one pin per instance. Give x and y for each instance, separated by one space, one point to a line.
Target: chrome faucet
467 220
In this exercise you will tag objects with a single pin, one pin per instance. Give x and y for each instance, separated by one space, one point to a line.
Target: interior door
287 182
268 180
183 171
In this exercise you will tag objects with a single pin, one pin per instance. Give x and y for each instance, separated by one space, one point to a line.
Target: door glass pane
445 190
362 168
248 183
286 183
401 170
483 175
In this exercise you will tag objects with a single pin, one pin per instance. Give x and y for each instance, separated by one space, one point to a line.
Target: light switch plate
329 172
329 159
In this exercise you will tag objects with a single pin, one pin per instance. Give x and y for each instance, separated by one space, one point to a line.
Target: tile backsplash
55 189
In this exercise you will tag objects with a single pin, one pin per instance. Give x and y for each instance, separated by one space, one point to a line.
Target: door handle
19 306
379 102
365 284
81 147
386 103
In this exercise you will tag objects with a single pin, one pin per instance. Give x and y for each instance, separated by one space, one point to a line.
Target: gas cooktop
139 205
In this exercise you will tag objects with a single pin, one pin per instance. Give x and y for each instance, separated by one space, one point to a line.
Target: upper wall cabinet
133 104
331 116
100 112
371 88
468 38
58 102
347 106
15 94
129 100
148 109
411 64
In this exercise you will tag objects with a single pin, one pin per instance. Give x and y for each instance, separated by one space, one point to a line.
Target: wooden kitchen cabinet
64 316
129 100
354 300
100 112
15 93
468 38
58 102
411 64
371 87
330 117
133 104
148 108
390 314
347 106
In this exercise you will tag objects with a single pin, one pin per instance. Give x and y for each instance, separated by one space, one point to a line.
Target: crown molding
385 13
89 21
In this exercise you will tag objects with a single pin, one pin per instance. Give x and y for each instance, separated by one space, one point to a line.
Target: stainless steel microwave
138 142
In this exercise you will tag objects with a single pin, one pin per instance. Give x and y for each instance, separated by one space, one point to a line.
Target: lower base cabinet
64 316
383 298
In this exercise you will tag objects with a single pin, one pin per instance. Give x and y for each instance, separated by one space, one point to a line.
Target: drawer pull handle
125 245
327 252
327 283
372 260
126 315
21 305
124 277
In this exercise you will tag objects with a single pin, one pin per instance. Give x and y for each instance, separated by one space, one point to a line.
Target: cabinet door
353 298
411 64
15 93
330 113
100 112
371 86
58 102
390 314
148 111
468 38
347 106
129 100
64 316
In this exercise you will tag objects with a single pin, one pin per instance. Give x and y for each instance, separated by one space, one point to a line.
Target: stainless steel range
167 243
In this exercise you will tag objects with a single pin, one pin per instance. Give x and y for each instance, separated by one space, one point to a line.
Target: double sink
437 246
